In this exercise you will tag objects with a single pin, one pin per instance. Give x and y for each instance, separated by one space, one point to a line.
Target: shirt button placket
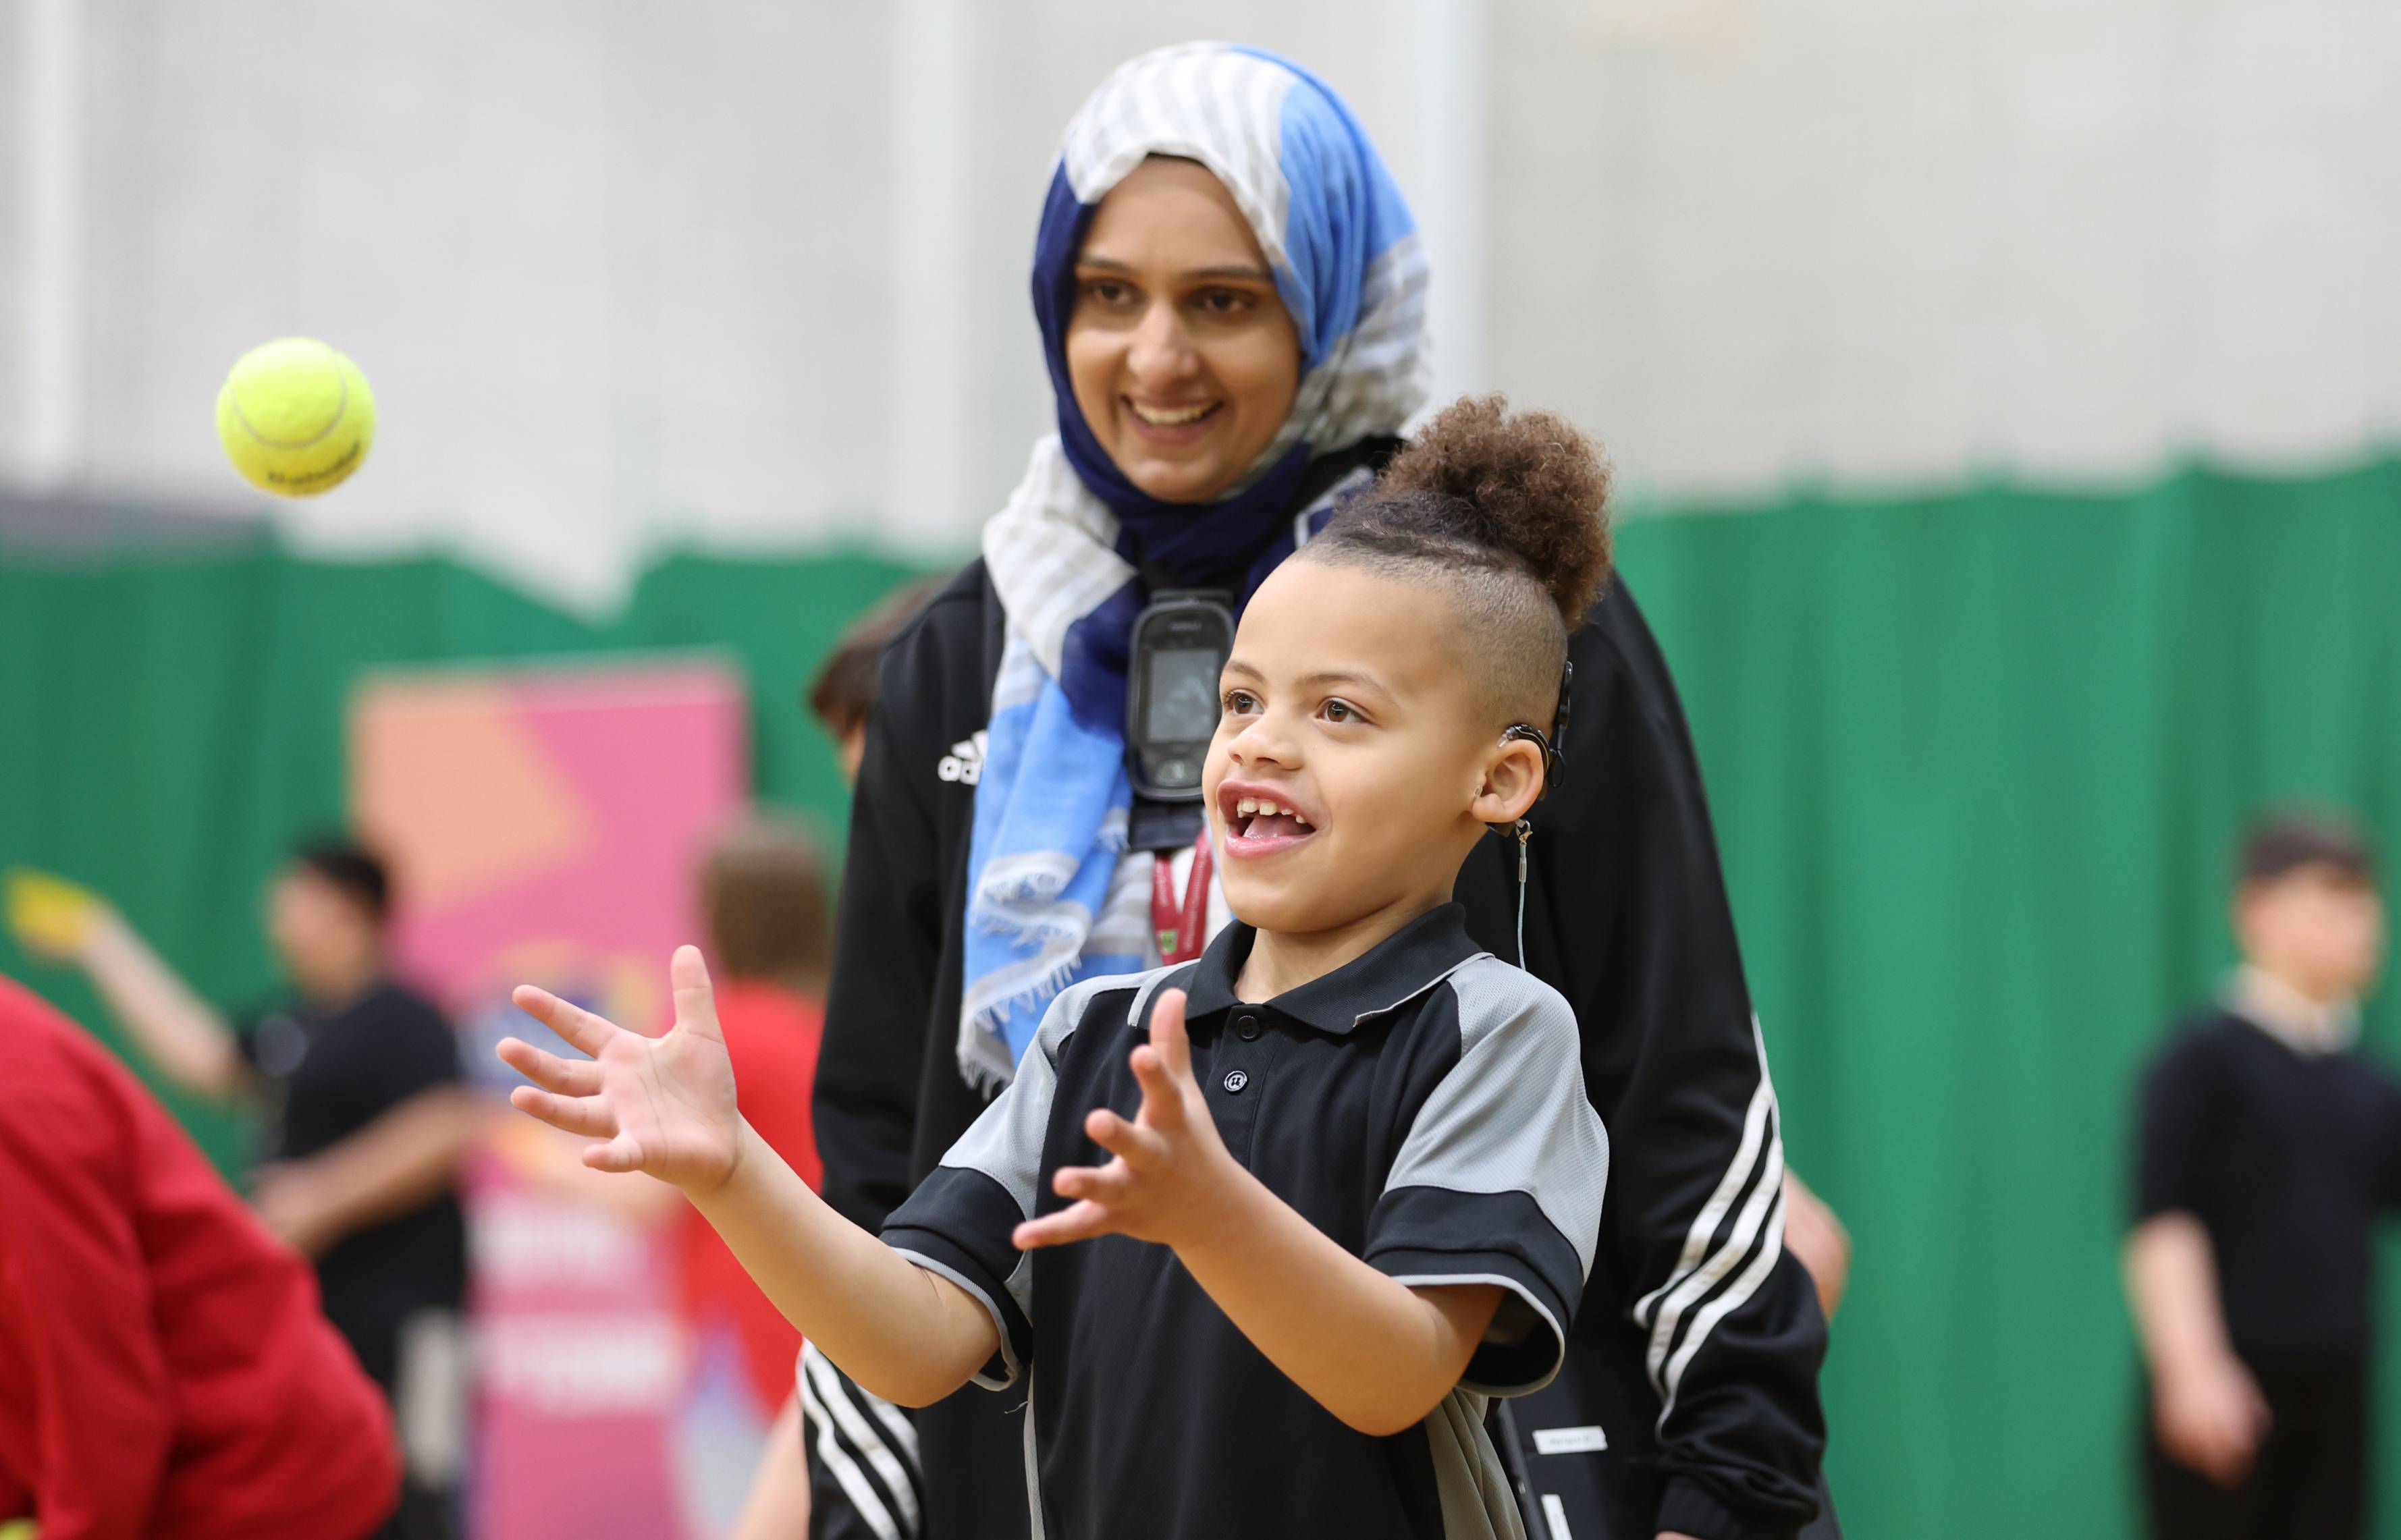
1234 1087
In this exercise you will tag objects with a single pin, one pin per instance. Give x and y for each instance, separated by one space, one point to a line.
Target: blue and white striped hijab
1052 895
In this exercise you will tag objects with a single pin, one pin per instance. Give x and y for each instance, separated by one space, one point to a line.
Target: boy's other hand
661 1105
2211 1417
1172 1176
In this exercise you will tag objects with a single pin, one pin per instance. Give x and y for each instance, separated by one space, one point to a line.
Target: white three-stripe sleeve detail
863 1438
1731 1299
1713 1213
1764 1206
855 1482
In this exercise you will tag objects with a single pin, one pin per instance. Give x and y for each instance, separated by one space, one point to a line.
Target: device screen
1183 698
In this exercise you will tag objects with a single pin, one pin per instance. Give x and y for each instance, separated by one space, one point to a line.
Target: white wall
626 273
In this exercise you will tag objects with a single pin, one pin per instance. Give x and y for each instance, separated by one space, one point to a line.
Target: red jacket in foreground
165 1372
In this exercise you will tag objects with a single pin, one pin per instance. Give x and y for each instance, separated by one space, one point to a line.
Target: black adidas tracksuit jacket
1692 1304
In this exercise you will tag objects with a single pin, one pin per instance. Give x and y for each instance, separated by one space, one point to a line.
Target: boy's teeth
1260 807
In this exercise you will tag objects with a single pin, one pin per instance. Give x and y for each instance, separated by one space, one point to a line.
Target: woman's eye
1223 302
1102 290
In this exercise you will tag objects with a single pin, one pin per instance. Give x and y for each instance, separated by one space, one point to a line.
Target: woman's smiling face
1184 360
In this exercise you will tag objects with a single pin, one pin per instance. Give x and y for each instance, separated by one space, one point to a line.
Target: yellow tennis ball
296 418
52 916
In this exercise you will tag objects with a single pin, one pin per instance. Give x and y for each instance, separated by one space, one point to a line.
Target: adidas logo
964 762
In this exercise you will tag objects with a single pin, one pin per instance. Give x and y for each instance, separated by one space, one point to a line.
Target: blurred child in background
763 900
357 1081
164 1370
841 697
843 692
2270 1144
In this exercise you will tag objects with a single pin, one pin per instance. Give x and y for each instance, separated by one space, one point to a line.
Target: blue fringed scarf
1052 896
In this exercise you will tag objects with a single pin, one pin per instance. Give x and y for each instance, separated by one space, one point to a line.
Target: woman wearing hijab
1230 293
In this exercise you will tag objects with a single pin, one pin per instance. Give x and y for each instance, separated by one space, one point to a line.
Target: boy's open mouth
1258 822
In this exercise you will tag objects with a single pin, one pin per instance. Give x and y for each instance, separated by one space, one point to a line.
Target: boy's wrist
737 1165
1226 1208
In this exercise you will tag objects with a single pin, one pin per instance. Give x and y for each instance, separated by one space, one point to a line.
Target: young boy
1263 1231
2269 1145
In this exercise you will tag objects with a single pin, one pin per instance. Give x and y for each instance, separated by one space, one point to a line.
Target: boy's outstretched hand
662 1105
1172 1178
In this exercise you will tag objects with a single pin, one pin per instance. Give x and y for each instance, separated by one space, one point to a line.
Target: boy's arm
2207 1409
2210 1414
400 1161
665 1105
777 1508
1375 1351
181 1035
908 1335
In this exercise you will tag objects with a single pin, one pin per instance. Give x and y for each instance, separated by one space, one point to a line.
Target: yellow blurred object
21 1528
52 916
296 418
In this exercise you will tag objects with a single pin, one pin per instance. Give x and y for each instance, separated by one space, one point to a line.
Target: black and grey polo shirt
1423 1105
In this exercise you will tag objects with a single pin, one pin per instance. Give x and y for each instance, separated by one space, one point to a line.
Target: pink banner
545 827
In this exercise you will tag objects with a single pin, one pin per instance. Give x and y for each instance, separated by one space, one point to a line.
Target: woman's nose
1161 353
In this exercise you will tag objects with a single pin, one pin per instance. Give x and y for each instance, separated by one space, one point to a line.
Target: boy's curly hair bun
1527 482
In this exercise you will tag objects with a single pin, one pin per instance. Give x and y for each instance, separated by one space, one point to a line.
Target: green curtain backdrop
1977 761
167 729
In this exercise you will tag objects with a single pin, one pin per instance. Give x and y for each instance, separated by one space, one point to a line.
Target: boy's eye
1239 702
1340 711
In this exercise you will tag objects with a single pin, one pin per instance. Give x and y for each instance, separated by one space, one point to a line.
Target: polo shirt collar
2283 1013
1395 970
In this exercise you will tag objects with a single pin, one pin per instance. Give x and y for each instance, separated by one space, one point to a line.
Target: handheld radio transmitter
1181 642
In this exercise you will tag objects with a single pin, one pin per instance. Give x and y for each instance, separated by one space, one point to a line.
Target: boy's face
1344 709
2318 929
318 932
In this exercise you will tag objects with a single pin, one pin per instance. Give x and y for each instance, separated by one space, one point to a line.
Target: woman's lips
1171 425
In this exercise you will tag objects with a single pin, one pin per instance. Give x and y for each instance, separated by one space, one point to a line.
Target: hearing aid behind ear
1553 755
1551 743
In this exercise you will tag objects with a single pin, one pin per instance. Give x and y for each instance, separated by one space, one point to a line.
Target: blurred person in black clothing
842 693
365 1119
2269 1146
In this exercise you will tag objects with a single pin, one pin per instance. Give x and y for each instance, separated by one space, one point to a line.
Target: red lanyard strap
1183 925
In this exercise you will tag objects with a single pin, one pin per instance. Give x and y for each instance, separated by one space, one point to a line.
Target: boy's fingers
1162 1095
571 1021
1079 1222
1110 1184
619 1155
571 1077
586 1115
695 1003
1131 1142
1167 1034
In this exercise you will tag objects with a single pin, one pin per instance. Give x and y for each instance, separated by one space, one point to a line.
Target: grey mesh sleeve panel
1004 1141
960 1220
1512 1115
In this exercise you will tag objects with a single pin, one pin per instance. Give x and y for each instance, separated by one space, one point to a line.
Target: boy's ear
1513 779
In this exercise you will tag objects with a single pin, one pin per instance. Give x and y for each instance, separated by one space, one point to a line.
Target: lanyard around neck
1182 924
